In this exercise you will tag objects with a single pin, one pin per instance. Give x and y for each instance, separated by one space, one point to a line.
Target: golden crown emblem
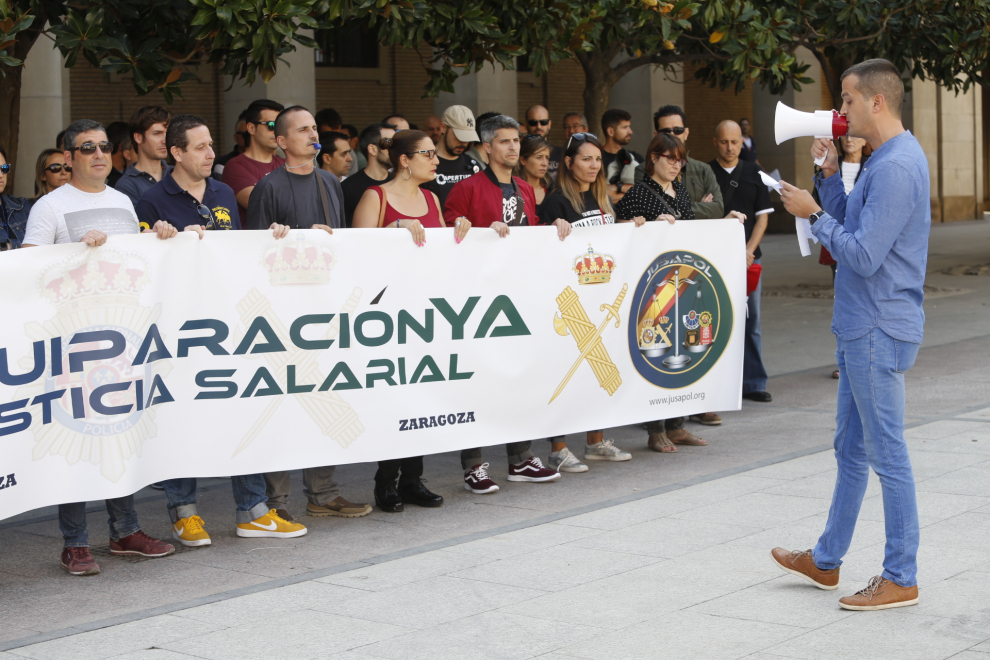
102 272
298 262
594 268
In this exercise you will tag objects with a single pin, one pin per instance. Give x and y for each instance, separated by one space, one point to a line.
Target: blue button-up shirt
878 234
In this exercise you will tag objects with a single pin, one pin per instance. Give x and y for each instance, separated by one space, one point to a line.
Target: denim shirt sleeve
833 195
885 212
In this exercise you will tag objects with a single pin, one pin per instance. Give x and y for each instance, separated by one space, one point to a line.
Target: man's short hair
371 135
59 140
119 133
177 134
282 121
612 118
253 113
489 128
350 129
328 142
879 76
579 115
146 117
76 128
668 111
329 117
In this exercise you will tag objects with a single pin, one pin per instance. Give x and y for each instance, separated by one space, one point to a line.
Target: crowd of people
292 169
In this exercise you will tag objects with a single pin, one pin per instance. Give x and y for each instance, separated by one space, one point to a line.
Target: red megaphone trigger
839 124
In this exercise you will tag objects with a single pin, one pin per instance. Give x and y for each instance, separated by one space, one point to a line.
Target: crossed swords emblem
573 320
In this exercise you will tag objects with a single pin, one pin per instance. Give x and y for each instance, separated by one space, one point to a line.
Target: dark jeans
754 373
388 471
72 521
517 452
662 425
249 496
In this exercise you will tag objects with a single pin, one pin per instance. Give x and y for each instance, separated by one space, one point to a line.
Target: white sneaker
605 451
565 461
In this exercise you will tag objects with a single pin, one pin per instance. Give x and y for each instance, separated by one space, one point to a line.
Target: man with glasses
745 192
538 123
86 210
574 122
147 130
243 172
697 177
455 165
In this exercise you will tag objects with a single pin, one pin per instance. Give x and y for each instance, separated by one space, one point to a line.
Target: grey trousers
318 485
517 452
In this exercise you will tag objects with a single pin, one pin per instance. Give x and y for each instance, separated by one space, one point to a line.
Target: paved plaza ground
666 556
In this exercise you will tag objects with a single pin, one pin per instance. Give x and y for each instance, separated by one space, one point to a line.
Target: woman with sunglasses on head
534 161
14 211
51 171
402 204
581 200
661 196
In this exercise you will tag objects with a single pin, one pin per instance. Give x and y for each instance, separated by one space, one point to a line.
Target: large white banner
145 360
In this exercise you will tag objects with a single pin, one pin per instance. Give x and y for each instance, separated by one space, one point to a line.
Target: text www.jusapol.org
678 398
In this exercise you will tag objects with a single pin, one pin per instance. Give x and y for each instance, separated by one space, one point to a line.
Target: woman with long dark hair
581 199
402 204
534 161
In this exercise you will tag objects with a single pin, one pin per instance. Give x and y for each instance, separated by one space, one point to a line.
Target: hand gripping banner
145 360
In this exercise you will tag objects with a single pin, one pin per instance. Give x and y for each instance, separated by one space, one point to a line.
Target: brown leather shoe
659 442
880 594
338 507
708 419
800 563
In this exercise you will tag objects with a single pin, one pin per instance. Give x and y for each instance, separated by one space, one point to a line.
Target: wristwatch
813 218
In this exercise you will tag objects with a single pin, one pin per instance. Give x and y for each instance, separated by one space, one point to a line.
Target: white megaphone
790 123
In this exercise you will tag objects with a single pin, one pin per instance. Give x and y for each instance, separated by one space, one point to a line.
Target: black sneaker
418 494
761 397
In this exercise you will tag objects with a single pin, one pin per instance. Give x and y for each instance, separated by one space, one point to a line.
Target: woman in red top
407 206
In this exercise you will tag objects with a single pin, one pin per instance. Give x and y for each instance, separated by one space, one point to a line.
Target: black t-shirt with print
641 200
750 194
450 172
558 206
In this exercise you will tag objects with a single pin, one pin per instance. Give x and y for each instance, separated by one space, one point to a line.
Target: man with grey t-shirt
86 210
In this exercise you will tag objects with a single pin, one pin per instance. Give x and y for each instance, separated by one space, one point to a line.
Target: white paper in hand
801 225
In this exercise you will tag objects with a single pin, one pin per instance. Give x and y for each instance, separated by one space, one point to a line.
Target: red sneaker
532 469
141 544
78 561
477 480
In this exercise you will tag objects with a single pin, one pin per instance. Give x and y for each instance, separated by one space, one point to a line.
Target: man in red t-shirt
243 172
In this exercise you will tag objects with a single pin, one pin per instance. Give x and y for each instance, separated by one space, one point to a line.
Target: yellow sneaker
271 526
189 531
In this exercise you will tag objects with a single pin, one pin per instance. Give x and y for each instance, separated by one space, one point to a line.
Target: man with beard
455 165
377 171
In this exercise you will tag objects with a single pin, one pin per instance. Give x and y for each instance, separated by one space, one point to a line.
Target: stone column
294 84
493 89
44 110
640 93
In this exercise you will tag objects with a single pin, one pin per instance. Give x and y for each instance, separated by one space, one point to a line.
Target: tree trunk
10 108
598 81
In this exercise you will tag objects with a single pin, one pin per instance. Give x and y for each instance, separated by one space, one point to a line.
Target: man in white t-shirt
87 210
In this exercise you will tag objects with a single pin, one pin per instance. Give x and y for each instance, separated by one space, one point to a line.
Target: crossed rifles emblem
573 320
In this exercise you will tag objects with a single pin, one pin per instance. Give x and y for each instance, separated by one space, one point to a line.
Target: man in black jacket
745 192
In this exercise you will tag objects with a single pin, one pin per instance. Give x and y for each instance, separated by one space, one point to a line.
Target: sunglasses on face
5 168
580 137
269 124
89 148
430 153
674 160
538 122
676 130
55 168
206 215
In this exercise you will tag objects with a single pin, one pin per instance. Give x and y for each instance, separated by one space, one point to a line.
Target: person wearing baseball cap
455 163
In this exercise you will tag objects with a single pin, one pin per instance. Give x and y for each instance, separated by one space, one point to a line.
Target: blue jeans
869 433
754 373
249 496
72 521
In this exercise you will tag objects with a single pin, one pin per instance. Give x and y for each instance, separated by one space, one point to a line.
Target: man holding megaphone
878 234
